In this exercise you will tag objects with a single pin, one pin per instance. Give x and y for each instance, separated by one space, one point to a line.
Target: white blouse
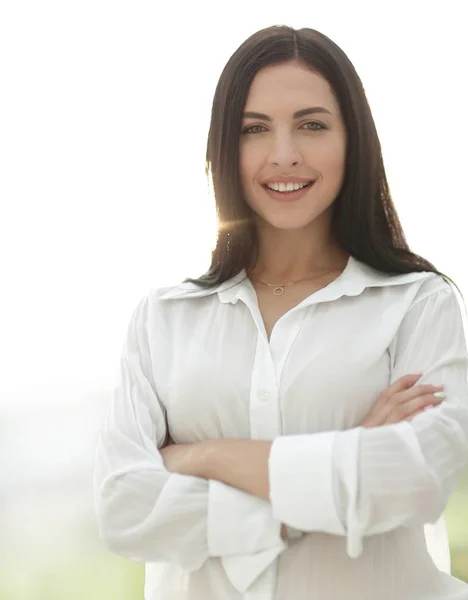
197 364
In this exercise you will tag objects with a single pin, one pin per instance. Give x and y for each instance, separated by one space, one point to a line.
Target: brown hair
365 222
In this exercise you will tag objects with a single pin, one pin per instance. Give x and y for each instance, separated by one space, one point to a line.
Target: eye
314 126
320 126
251 129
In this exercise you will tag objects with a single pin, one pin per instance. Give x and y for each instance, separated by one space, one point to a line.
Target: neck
290 255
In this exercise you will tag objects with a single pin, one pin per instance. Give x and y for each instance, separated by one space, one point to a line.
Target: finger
420 403
405 382
403 412
416 392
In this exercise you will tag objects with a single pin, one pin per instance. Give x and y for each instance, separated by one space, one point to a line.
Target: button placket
285 336
264 407
264 424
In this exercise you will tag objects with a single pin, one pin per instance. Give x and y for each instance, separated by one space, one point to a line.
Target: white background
104 116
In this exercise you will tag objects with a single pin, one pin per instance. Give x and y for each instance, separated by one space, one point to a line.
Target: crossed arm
236 493
242 464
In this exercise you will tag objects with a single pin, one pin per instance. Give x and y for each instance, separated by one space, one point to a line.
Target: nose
285 153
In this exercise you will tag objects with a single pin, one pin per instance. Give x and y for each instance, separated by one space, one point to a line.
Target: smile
287 187
287 192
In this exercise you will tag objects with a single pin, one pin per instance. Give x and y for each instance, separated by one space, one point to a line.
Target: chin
289 226
290 222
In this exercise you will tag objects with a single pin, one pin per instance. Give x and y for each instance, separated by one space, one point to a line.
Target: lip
287 197
287 180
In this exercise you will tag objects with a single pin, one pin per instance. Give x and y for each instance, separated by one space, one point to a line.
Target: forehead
287 85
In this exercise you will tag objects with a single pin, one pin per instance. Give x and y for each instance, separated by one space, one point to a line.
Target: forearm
242 464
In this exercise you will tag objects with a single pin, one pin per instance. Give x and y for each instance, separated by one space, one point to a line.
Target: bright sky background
104 114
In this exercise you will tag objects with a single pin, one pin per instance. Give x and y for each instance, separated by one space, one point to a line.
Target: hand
402 401
184 459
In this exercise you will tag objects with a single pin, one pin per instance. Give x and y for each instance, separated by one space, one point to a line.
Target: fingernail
428 407
439 394
417 374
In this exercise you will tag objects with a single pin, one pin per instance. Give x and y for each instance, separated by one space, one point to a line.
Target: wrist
201 459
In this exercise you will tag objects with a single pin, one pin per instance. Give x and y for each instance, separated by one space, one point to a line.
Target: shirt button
263 394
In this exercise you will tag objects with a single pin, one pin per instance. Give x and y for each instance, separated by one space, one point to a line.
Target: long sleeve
362 482
148 514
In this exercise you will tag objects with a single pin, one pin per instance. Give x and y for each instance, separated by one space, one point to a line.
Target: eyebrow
297 115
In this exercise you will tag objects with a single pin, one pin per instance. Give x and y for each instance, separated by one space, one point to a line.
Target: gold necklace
278 289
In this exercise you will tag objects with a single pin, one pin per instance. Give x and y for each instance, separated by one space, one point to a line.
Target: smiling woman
270 427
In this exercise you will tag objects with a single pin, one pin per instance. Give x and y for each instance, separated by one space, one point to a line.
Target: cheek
246 167
335 156
340 165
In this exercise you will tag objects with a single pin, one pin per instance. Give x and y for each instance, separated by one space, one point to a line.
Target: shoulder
408 287
429 294
431 285
399 293
168 301
419 284
189 290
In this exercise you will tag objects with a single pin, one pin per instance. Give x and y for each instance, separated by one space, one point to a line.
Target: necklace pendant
278 291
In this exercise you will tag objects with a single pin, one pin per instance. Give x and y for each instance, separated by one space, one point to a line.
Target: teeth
286 187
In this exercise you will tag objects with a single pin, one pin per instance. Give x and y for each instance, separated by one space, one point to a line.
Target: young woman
268 438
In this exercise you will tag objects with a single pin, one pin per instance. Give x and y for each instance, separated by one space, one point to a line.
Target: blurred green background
457 524
55 554
49 546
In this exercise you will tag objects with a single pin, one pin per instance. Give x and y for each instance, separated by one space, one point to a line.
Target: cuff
243 571
240 523
301 475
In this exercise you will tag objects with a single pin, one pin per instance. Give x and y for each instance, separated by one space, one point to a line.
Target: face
283 143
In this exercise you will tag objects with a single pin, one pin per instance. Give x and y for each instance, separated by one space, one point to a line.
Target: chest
322 369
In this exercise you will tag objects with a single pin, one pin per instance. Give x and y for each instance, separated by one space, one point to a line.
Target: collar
356 277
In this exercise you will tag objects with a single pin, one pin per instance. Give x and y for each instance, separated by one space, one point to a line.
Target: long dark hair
365 222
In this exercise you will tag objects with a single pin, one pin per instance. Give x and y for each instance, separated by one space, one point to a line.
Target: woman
268 439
